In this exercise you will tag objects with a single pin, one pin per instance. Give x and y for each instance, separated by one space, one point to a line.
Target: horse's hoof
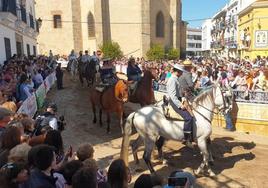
197 173
94 121
211 173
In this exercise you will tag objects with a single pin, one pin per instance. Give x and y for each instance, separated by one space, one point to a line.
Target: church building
85 24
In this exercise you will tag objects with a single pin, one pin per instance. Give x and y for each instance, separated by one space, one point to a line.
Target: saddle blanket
171 114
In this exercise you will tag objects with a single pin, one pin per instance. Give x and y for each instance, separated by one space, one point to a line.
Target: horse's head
150 74
121 91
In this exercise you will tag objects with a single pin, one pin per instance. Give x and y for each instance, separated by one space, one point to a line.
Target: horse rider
177 104
86 58
133 73
71 57
186 82
107 71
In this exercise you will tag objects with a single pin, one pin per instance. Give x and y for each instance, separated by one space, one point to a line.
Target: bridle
212 111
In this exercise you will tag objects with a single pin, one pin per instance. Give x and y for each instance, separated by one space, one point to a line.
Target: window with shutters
57 21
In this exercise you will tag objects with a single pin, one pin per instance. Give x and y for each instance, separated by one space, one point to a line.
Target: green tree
173 53
111 50
156 52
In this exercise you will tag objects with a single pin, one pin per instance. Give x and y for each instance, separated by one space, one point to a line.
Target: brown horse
110 100
144 94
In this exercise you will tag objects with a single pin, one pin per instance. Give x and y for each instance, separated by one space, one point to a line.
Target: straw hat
121 76
187 63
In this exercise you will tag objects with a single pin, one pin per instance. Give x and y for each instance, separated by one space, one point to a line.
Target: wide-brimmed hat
179 67
187 63
121 76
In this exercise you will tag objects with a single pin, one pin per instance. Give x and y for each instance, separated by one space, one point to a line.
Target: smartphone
175 181
70 151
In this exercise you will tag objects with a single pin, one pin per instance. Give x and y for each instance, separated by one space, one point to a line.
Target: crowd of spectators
20 77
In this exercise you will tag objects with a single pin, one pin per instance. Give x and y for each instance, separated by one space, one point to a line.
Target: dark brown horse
144 94
87 70
110 100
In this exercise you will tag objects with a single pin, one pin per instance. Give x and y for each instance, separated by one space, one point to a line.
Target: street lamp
39 22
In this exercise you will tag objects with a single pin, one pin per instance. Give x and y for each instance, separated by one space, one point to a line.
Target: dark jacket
133 71
38 179
59 73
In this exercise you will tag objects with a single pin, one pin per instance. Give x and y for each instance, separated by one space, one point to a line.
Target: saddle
170 113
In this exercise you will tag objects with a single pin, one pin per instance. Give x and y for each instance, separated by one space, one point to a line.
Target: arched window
91 25
160 25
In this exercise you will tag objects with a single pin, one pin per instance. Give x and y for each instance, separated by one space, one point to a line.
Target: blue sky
199 9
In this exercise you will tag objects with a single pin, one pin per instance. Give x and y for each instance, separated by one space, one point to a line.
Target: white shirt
38 78
53 123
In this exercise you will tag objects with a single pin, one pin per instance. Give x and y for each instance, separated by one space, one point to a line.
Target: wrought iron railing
260 97
251 96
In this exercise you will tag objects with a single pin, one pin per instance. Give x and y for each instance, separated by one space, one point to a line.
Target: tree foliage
111 50
173 53
156 52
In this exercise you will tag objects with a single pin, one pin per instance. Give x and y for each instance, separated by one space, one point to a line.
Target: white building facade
230 35
18 28
193 42
206 37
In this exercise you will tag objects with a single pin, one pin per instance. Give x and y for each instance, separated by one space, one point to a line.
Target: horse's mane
202 96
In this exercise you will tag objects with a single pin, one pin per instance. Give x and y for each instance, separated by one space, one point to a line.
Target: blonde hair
19 153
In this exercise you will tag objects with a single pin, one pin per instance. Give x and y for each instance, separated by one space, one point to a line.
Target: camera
61 123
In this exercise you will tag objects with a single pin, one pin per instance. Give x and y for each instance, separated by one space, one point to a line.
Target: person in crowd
101 174
85 177
44 161
118 174
69 169
23 90
13 174
177 105
19 153
148 181
59 76
38 79
11 137
53 138
85 151
48 120
183 179
204 80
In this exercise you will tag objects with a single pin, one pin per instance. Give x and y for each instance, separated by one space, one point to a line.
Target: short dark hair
147 181
43 157
11 137
85 178
69 169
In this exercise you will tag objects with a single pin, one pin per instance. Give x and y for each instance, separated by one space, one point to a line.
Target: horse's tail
126 137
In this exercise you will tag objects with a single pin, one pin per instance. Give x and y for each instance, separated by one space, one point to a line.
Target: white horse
152 125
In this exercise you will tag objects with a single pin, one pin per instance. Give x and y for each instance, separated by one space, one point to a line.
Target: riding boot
188 140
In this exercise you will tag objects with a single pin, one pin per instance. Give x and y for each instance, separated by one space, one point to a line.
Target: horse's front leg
108 123
202 144
120 115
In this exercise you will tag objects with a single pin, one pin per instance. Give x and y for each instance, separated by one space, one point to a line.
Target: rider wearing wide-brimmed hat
186 81
176 102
